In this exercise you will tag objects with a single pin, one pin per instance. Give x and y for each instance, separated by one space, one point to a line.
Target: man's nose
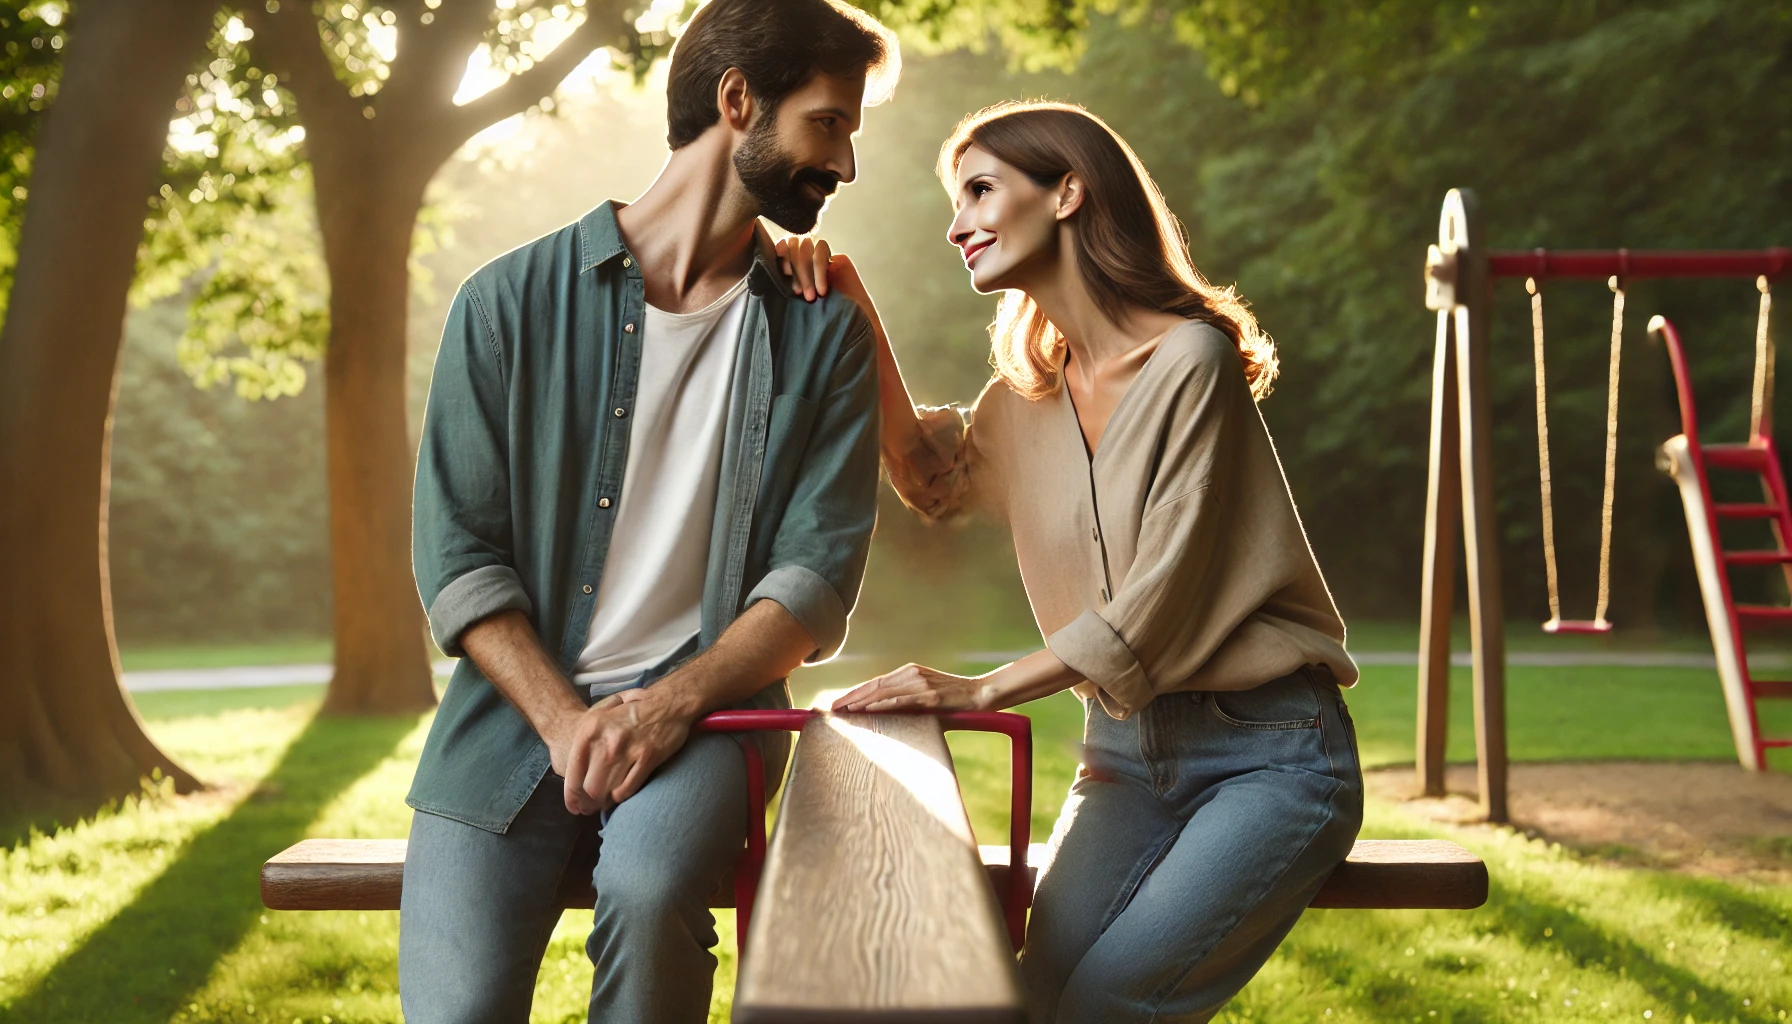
845 165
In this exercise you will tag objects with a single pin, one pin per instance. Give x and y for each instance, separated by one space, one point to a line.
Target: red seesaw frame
747 867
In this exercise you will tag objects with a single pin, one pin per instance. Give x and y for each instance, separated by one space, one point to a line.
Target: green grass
292 651
160 704
150 912
1567 714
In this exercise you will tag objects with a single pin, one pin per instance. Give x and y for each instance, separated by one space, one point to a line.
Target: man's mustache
826 181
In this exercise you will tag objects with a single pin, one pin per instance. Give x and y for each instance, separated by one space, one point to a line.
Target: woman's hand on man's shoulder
815 270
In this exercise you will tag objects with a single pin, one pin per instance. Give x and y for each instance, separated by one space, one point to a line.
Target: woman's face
1007 225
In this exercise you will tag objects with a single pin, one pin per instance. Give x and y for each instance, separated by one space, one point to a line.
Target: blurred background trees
1306 146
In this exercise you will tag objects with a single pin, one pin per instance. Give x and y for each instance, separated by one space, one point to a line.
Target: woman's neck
1093 337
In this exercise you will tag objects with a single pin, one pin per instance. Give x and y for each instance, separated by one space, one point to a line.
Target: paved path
302 675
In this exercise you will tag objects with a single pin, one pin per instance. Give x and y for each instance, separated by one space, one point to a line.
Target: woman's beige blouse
1172 560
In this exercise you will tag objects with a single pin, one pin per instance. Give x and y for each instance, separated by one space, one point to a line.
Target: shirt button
620 412
603 503
628 328
586 588
1104 593
1094 533
626 262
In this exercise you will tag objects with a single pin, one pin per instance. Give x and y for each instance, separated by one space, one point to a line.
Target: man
645 491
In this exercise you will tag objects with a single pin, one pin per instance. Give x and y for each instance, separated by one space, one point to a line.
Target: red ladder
1688 462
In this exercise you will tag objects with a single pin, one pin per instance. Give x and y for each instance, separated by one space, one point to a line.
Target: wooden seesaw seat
1381 874
875 903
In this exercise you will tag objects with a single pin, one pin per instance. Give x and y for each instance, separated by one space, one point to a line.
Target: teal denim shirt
520 465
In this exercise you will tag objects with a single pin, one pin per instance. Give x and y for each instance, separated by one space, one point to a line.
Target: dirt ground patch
1702 817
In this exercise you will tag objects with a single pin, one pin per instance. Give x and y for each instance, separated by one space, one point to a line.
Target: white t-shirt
649 602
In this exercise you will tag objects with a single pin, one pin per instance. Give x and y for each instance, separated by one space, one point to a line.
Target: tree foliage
32 36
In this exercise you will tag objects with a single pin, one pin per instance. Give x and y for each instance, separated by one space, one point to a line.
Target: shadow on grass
1734 907
1385 993
146 961
1590 945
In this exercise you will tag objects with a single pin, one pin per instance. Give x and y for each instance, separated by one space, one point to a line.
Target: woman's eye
980 189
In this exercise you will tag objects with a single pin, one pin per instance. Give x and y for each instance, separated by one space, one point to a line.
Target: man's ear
1070 195
734 102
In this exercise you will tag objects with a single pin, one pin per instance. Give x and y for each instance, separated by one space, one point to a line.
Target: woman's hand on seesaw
914 688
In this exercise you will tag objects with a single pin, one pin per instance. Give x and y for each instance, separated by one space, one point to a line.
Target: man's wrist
560 724
678 697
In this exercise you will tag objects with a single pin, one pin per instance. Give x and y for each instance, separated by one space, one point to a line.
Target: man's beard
773 180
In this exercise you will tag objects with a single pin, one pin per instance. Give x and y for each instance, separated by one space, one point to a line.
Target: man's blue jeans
479 907
1196 833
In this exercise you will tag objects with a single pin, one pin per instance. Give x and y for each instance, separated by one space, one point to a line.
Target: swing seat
1561 626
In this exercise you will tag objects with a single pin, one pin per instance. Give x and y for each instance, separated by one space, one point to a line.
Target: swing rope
1600 623
1611 457
1548 501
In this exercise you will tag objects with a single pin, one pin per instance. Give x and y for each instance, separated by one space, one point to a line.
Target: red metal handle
749 864
1018 729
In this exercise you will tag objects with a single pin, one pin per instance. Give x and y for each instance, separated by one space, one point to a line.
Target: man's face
794 157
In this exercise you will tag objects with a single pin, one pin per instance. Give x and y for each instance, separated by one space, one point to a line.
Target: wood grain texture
874 905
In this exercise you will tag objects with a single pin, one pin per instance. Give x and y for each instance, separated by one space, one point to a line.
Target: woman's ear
734 102
1070 195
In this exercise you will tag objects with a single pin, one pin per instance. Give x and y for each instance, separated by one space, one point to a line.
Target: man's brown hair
777 45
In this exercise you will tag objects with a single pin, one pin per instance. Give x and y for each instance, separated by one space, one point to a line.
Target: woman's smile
975 249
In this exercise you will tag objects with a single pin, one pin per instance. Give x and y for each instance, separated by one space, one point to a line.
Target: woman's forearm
1037 675
901 428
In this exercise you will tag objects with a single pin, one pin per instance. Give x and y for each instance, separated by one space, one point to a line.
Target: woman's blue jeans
1195 834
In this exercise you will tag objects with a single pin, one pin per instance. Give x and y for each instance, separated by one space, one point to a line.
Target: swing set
1459 276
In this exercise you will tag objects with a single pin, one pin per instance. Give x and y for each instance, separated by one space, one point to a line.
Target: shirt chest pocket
786 440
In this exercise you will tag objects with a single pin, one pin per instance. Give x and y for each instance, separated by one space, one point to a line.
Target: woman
1164 562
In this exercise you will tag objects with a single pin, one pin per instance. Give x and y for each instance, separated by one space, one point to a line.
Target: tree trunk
382 663
70 738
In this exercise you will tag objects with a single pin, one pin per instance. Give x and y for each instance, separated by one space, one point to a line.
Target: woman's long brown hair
1131 249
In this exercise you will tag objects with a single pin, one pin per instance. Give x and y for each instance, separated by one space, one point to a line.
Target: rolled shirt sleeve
461 548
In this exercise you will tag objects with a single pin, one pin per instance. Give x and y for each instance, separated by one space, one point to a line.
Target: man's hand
613 748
